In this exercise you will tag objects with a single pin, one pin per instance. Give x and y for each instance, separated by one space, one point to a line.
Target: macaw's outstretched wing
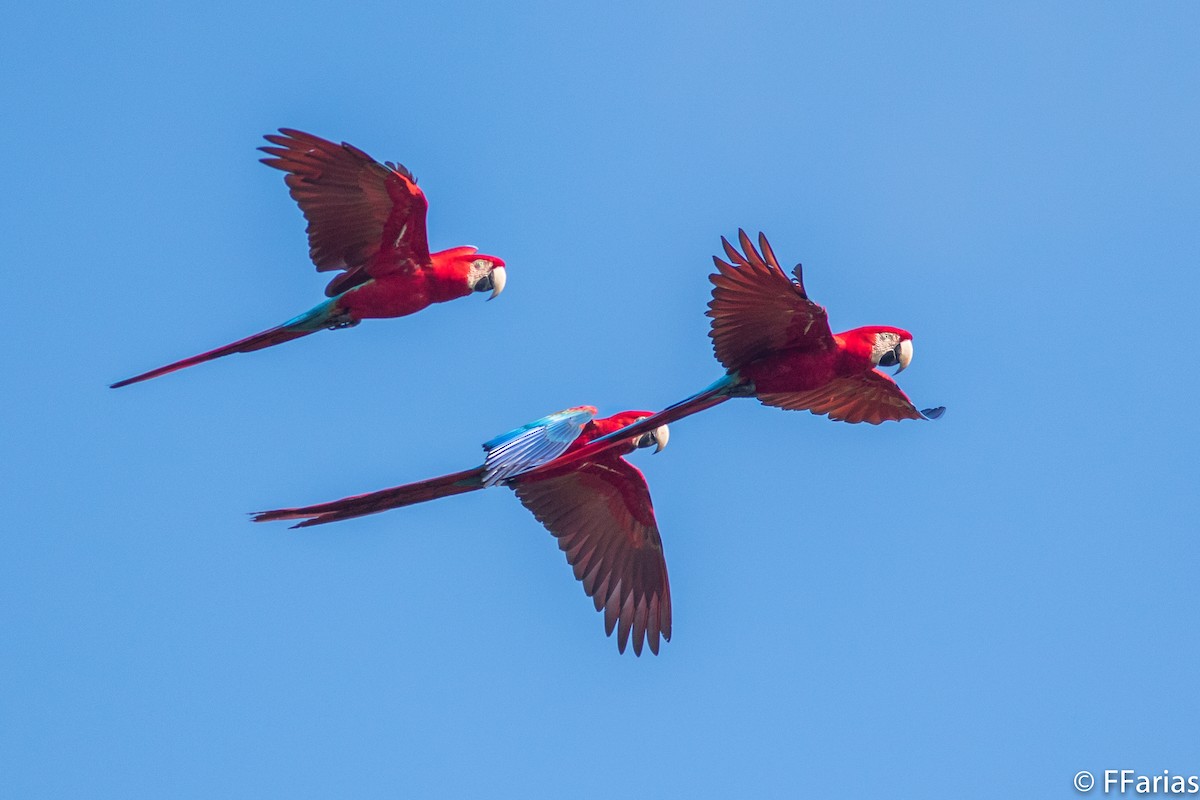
356 207
867 397
757 309
601 514
534 444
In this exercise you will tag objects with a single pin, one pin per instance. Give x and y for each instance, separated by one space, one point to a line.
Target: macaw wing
356 207
534 444
867 397
601 514
757 309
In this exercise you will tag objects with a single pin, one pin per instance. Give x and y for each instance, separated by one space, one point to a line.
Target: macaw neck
450 278
602 427
854 349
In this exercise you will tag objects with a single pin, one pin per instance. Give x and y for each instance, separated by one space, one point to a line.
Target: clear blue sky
978 607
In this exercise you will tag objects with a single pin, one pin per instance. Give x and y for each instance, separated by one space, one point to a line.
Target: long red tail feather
258 341
382 500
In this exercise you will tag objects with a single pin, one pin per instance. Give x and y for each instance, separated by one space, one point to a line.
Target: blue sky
985 605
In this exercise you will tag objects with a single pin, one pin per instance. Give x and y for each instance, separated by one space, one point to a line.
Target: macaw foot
745 389
343 320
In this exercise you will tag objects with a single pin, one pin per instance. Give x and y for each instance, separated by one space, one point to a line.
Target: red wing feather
867 397
356 207
602 516
757 309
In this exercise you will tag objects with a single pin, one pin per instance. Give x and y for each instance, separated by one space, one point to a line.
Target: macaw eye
484 284
889 359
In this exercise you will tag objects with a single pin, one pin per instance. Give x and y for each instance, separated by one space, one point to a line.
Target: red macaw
367 219
599 510
776 345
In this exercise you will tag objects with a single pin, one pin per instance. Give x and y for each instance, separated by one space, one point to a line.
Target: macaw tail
373 503
717 392
309 322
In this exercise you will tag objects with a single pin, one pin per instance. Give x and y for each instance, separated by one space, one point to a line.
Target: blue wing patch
534 444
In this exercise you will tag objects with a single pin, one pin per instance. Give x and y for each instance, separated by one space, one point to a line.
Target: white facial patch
884 343
480 268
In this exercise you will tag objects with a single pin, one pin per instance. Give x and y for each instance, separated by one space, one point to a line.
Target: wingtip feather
744 240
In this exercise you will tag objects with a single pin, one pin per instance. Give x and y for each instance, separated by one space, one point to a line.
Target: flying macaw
598 509
367 219
775 344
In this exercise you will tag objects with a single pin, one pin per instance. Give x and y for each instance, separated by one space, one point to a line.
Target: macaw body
366 219
599 509
404 293
776 345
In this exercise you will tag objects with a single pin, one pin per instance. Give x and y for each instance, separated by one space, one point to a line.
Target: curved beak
662 435
905 356
499 277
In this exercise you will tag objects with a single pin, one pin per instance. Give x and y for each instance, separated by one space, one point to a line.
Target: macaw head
885 346
892 347
656 438
486 274
480 272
